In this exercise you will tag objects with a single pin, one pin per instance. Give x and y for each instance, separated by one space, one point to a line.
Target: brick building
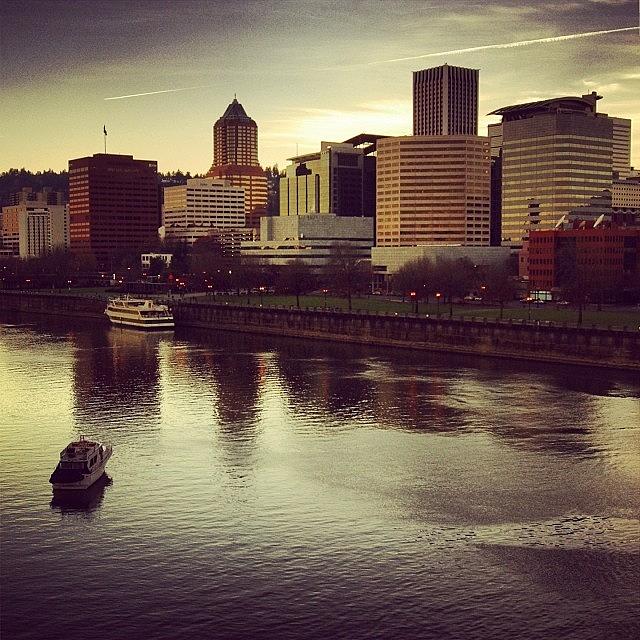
605 254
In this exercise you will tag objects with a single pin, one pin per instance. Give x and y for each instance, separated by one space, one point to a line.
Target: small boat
81 463
140 313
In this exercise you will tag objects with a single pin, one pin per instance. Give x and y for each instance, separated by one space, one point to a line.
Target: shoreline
543 343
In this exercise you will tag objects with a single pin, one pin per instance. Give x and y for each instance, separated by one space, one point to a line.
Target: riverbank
541 342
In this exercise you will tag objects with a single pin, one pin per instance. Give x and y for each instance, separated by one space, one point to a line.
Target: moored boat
81 463
139 313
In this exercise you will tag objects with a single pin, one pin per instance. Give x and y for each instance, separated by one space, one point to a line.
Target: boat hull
87 479
165 324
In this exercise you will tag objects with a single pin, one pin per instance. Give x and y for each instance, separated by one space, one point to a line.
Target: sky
305 71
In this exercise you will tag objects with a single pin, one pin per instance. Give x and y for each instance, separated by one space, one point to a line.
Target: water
274 488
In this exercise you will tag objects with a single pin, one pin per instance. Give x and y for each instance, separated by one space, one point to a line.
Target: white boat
140 313
81 464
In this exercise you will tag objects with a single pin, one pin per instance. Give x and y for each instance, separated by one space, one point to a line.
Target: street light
324 293
414 299
261 294
529 301
438 296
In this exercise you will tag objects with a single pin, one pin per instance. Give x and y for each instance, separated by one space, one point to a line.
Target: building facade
556 161
235 159
114 206
311 238
433 190
194 210
30 229
621 152
445 101
602 255
45 196
339 180
387 261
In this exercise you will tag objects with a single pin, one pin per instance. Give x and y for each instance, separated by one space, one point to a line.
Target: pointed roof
235 110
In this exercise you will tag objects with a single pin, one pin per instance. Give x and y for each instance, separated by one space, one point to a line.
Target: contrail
152 93
507 45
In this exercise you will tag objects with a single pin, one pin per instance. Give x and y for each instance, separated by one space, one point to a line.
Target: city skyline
306 72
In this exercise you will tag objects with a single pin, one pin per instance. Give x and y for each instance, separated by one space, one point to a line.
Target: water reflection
81 501
116 379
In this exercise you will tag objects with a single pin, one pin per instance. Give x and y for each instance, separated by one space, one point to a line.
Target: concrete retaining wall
527 341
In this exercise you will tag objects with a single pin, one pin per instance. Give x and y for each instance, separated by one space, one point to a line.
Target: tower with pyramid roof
235 158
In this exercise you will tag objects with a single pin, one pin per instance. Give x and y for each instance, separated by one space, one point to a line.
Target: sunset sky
305 71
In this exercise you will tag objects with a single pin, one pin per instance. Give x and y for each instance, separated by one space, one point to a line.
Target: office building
556 161
31 229
194 210
45 196
113 206
311 238
433 190
339 179
606 254
445 101
621 159
495 145
235 159
387 261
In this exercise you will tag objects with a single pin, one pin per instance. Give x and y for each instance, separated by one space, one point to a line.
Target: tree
500 285
347 271
414 277
454 278
572 280
157 267
296 278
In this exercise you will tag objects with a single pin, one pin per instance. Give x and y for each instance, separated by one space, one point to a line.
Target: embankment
529 341
590 346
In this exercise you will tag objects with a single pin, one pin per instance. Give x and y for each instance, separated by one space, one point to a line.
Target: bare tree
347 271
454 278
500 284
296 278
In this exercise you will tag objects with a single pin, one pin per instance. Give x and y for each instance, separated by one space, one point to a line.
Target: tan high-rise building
235 159
445 101
433 190
621 158
556 161
200 207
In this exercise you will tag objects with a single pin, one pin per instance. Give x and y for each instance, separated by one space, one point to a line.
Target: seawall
526 341
596 347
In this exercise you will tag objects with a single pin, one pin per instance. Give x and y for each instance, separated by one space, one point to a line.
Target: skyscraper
433 190
113 205
445 101
235 159
556 160
621 147
338 179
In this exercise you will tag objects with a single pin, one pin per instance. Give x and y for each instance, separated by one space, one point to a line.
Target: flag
104 128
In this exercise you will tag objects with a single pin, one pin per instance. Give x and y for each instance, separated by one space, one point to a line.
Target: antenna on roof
560 222
599 221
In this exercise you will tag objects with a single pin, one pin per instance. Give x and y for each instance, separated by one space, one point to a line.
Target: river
277 488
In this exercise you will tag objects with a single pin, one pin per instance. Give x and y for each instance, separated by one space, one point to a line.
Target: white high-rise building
201 206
